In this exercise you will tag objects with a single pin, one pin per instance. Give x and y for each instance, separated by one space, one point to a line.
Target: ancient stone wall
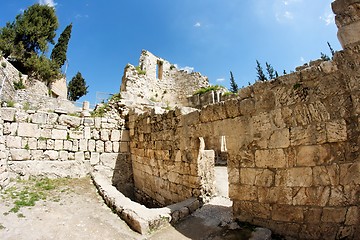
169 165
293 150
59 145
4 174
158 80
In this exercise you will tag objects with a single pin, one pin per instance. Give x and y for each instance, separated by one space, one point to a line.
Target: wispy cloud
50 3
328 18
186 68
220 79
197 24
285 10
78 16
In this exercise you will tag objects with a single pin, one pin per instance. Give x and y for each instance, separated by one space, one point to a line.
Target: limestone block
59 145
336 131
28 130
312 196
299 177
108 146
59 134
339 6
108 125
312 215
13 142
71 121
63 155
41 144
125 135
108 159
328 67
83 145
91 145
50 144
308 135
32 143
262 123
350 173
79 156
280 139
313 112
326 175
39 117
74 134
68 145
75 144
71 156
275 195
89 121
52 118
313 155
247 106
99 146
95 158
265 101
234 176
19 154
10 128
51 154
116 147
124 147
37 154
45 133
87 132
349 34
8 114
104 134
333 215
115 135
97 122
242 192
274 158
87 155
287 213
352 216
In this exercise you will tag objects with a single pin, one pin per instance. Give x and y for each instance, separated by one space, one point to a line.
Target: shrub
140 71
208 89
3 64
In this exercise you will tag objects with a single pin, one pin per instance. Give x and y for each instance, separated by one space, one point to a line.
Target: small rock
261 234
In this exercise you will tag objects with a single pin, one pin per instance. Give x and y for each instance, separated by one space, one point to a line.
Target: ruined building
292 145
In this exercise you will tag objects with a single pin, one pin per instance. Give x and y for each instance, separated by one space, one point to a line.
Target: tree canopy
58 54
260 72
77 87
233 86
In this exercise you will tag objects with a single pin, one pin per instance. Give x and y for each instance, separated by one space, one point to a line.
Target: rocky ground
72 209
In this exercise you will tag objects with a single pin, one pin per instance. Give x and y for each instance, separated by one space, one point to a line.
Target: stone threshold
140 218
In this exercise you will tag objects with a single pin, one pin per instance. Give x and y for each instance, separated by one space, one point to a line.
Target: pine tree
77 87
58 54
233 86
260 73
331 49
324 57
270 71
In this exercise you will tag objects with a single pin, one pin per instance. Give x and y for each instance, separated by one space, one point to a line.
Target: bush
208 89
19 85
3 64
140 72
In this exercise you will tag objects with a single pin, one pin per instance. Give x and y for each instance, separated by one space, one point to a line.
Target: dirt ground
72 209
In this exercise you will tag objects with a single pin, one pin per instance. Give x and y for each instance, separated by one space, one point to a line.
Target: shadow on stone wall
123 175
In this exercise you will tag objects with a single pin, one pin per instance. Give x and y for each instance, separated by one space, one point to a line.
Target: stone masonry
157 80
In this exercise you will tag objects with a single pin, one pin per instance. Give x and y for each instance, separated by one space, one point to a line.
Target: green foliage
228 94
140 71
10 103
260 73
208 89
331 49
99 111
58 54
172 67
3 64
26 106
77 87
324 57
19 85
42 68
27 146
233 86
270 71
115 97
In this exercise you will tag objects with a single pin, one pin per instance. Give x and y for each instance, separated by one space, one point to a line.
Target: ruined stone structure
157 80
292 145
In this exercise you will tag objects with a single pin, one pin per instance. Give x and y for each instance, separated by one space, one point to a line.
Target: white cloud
50 3
77 16
220 79
186 68
285 9
328 18
302 59
197 24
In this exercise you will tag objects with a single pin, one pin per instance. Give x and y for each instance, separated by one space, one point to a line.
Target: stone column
347 20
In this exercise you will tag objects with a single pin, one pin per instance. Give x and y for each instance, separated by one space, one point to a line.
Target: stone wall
58 145
4 174
169 165
158 80
293 150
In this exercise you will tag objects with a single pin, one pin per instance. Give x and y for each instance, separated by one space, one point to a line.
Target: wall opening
159 69
221 171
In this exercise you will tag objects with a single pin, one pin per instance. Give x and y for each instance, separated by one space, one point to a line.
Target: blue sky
210 36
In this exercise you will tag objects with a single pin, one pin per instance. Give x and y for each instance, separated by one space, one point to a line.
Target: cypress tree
260 73
77 87
270 70
233 86
58 54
